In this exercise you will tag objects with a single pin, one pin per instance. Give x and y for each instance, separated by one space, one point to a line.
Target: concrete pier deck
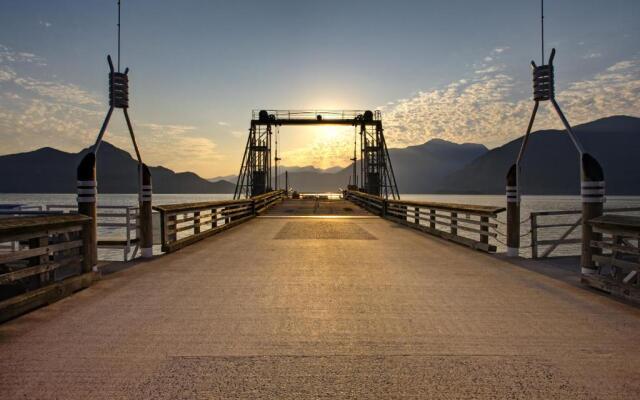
324 308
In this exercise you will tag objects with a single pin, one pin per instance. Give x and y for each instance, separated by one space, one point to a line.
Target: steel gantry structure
376 171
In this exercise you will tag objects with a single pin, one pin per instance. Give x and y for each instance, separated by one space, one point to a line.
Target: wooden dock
293 304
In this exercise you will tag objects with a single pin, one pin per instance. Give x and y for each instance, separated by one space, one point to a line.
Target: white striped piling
592 192
513 212
145 220
87 190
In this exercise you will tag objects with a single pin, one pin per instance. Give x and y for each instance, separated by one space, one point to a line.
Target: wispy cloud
489 108
45 24
8 55
36 112
592 55
172 146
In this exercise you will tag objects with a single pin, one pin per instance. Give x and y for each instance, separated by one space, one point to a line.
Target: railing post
454 223
196 222
214 217
34 243
592 191
534 235
416 216
484 228
513 213
432 218
87 193
145 218
171 222
127 222
87 247
164 234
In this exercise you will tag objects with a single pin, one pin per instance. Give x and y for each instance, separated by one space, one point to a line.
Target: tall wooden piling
592 192
87 189
513 212
145 216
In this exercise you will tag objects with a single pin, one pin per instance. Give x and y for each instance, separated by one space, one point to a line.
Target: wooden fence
118 227
48 260
545 224
616 256
185 224
469 225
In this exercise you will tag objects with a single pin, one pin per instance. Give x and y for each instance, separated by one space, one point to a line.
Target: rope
505 244
524 221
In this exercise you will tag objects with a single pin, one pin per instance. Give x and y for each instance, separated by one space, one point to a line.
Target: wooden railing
185 224
567 232
616 256
49 260
118 227
460 223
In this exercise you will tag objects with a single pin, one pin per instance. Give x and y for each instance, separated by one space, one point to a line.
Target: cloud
37 112
488 70
489 109
57 91
592 55
45 24
7 55
222 123
172 146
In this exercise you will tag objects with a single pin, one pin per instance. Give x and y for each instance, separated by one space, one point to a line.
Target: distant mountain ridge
418 169
551 162
281 169
437 166
48 170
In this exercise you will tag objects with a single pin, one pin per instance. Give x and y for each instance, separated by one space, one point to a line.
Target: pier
323 298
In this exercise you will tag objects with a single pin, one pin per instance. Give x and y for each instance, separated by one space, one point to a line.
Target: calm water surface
529 204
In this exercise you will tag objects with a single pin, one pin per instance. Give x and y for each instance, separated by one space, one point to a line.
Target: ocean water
529 204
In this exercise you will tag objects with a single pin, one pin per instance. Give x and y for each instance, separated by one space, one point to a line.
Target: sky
450 69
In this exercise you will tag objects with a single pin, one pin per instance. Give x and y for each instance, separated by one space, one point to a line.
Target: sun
329 132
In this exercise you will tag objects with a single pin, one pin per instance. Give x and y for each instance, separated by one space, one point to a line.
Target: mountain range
550 166
48 170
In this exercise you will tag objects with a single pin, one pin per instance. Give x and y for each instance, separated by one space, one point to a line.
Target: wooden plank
616 289
38 251
191 207
558 212
178 244
461 208
474 244
611 246
563 239
623 223
23 303
30 235
30 224
116 242
567 225
38 269
609 260
558 242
